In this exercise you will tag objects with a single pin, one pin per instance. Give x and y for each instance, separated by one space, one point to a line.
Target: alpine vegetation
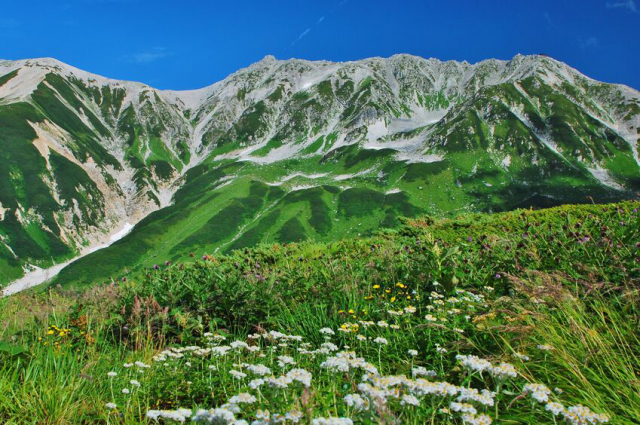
287 151
518 317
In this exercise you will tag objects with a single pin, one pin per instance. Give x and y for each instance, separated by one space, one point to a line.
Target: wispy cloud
321 19
302 35
626 4
148 56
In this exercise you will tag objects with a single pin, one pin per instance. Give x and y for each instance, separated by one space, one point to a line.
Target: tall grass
499 287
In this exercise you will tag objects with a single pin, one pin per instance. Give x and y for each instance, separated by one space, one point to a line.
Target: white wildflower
293 416
579 415
421 371
463 408
214 416
238 375
471 419
300 375
474 363
538 392
243 398
285 360
280 382
256 383
410 400
503 371
258 369
332 421
179 415
356 401
555 408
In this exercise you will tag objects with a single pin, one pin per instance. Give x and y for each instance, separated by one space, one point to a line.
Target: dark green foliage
227 222
324 89
320 219
271 144
315 146
474 249
254 235
74 183
291 231
22 170
277 94
352 155
65 90
301 96
56 111
6 77
183 151
163 169
359 202
423 171
251 121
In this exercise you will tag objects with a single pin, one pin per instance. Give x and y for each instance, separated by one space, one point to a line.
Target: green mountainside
285 151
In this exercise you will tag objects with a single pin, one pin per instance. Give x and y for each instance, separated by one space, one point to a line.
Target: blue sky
186 44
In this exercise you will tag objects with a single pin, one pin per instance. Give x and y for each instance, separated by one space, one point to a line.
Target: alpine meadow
392 240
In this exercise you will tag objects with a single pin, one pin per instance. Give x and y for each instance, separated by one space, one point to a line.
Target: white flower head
245 398
410 400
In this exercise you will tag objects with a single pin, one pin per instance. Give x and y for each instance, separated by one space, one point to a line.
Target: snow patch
341 177
39 276
604 177
420 117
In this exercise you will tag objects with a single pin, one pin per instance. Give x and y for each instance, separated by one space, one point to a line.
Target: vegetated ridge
285 151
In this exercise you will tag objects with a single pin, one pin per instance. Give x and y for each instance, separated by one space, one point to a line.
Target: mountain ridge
474 136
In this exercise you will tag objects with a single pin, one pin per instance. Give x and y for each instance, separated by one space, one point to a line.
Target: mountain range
290 150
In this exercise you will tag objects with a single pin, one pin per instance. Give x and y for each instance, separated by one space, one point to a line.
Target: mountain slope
291 150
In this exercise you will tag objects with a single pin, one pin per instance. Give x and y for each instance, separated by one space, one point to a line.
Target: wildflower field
519 317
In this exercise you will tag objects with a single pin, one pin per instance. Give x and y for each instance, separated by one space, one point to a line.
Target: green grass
552 293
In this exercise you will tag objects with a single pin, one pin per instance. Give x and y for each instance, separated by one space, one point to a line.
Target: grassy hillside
519 317
229 205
